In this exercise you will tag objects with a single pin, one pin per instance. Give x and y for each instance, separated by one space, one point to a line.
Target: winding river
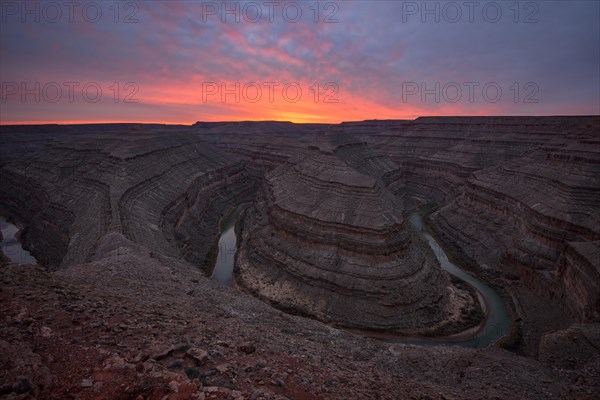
11 247
497 322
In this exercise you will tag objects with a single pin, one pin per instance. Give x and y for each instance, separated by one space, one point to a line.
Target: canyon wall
517 197
512 193
159 187
330 242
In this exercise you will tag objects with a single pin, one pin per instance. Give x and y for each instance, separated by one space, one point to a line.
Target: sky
314 61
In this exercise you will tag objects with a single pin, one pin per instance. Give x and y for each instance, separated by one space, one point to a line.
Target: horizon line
172 123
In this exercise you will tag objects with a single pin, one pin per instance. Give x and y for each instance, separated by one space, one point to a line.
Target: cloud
371 55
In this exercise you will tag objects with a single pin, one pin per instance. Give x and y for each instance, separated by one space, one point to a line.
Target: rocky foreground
125 218
136 326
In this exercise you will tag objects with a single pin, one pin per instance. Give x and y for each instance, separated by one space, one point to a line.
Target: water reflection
11 247
223 269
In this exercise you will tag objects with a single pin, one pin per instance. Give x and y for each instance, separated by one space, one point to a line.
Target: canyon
124 221
327 241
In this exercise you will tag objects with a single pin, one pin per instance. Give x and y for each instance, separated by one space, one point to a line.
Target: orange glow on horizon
177 104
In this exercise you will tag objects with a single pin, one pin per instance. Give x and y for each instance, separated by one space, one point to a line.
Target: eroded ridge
325 240
154 187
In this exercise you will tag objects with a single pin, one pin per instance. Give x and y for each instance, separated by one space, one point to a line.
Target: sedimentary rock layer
537 216
325 240
518 191
517 196
474 164
158 188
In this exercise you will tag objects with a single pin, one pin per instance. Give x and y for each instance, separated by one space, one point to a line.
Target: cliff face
578 269
521 216
325 240
156 188
486 174
512 192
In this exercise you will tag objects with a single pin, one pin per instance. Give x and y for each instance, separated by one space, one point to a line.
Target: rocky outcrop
130 324
325 240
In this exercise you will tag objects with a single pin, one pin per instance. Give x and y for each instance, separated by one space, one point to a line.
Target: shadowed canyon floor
124 221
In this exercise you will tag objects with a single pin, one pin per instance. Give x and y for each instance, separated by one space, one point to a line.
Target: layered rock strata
262 145
519 192
490 172
361 157
163 189
537 216
325 240
445 160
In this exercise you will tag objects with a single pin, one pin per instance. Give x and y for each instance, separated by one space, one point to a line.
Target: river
11 247
223 269
497 322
